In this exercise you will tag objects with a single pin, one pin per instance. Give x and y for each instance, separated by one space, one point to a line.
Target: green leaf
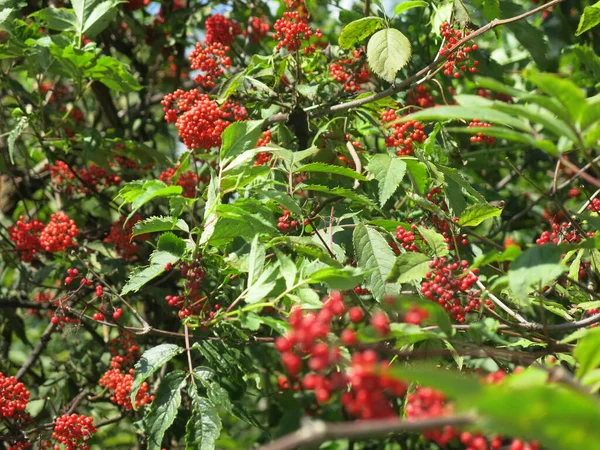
102 14
4 14
152 360
60 19
263 285
570 96
466 113
256 262
164 408
358 30
204 426
342 192
138 193
170 243
14 135
535 268
343 279
142 275
475 214
456 385
461 14
589 19
388 51
373 253
405 6
389 172
159 223
435 241
114 74
327 168
587 352
240 137
409 267
558 417
288 268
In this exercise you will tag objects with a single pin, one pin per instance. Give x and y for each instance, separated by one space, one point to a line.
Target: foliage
220 218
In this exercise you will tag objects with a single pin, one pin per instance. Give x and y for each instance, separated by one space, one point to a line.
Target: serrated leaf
204 426
358 30
159 223
287 267
535 268
388 51
163 409
142 275
435 241
114 74
409 267
373 253
140 193
389 172
168 242
405 6
152 360
263 285
59 19
589 19
475 214
240 137
327 168
342 192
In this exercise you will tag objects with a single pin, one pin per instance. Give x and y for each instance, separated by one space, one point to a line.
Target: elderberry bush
298 224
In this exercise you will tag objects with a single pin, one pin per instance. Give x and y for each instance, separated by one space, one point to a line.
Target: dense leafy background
240 173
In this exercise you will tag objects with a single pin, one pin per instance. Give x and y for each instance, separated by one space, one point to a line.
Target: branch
37 351
425 72
317 432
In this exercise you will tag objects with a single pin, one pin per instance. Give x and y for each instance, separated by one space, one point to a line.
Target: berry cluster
59 234
407 238
58 92
120 386
120 236
459 60
257 29
416 315
220 30
421 97
351 72
480 137
32 236
26 237
192 301
594 205
285 223
187 180
82 181
263 158
211 60
426 402
443 226
199 120
371 388
14 398
291 30
404 135
448 283
560 233
73 431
